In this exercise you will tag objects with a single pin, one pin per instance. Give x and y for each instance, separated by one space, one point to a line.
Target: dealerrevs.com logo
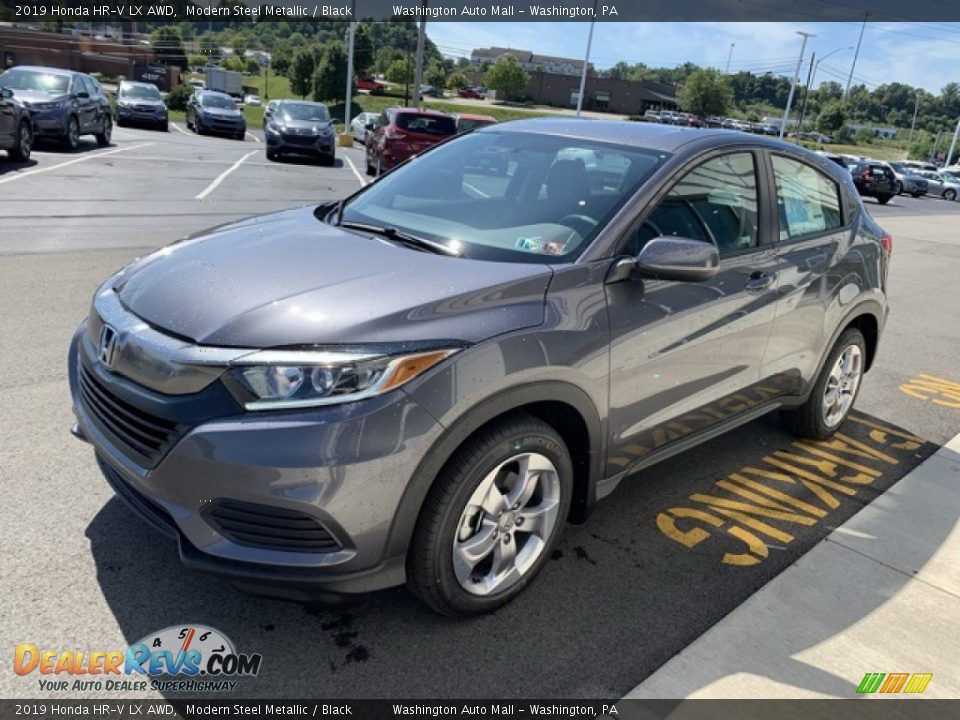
185 658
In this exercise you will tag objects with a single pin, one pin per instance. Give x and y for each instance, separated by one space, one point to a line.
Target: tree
235 64
400 71
301 72
196 61
252 67
832 117
458 81
281 58
239 45
168 46
706 92
620 71
865 136
362 49
178 97
330 76
507 77
436 76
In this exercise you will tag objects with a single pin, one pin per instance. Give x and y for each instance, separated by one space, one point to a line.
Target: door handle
759 280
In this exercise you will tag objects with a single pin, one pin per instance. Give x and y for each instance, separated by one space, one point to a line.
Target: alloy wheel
842 384
506 524
26 140
73 133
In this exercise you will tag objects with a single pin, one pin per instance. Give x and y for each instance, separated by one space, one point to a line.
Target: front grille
304 140
146 509
267 526
141 432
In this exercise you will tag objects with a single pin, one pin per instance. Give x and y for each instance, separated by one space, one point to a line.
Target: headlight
44 106
276 380
275 127
322 129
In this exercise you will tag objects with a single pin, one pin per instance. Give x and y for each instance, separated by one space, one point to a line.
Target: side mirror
677 258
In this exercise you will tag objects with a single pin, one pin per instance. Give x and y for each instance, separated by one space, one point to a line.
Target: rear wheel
21 150
835 391
916 195
370 168
950 194
106 132
71 139
897 187
492 518
883 199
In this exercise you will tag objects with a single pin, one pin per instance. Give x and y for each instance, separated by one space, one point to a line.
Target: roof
417 111
48 70
668 138
471 116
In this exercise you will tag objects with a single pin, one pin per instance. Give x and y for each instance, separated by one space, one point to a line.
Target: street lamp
810 79
817 64
729 57
793 84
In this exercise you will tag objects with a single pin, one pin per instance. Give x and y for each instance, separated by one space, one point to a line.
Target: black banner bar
483 10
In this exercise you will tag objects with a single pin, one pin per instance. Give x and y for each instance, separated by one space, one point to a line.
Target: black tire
883 199
430 570
272 154
950 194
807 421
119 123
106 132
328 160
370 169
897 188
20 152
916 195
71 139
164 127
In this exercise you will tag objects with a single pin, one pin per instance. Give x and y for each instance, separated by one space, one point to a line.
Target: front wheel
950 194
835 391
492 518
71 140
21 151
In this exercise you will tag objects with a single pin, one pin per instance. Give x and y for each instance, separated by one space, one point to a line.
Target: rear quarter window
427 124
808 201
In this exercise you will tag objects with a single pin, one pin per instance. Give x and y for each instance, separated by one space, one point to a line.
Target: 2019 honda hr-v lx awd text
424 382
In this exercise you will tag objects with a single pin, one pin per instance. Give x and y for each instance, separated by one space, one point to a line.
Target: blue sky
922 54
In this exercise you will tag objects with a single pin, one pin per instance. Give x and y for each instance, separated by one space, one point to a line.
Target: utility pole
793 84
936 144
346 110
418 75
729 57
806 93
953 144
916 107
856 54
266 80
586 65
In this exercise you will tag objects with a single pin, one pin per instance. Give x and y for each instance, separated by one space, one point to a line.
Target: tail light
887 243
392 135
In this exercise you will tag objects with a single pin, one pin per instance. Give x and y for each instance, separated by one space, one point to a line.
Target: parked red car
404 132
467 122
371 84
472 93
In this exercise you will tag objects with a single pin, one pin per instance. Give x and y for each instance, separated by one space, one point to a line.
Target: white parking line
253 136
180 129
91 156
223 176
361 178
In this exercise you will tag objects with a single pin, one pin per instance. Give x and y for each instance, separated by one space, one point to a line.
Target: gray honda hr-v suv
423 383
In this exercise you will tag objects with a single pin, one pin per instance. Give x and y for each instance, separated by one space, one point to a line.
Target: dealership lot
623 594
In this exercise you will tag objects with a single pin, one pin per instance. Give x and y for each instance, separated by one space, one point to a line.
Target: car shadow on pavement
305 160
670 553
7 165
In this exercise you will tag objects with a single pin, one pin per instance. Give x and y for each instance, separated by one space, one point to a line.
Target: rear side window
427 124
808 202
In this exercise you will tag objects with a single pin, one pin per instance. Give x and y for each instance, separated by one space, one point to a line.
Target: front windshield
305 111
139 92
516 197
218 101
466 124
35 80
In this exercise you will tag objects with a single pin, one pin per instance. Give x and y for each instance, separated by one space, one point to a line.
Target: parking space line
91 156
180 129
223 176
363 181
256 139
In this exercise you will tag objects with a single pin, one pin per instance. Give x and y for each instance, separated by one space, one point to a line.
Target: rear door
815 231
685 356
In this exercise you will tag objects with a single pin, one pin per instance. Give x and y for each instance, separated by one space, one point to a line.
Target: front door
685 356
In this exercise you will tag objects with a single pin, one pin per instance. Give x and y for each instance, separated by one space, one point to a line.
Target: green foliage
196 60
177 98
706 92
865 136
251 67
301 72
832 117
458 81
330 76
234 64
436 76
362 50
168 46
400 71
280 59
507 77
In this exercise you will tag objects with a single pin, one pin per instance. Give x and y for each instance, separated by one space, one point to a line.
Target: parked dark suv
215 112
876 180
64 105
423 383
16 129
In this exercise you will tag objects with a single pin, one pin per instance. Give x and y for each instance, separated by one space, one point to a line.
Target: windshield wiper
392 233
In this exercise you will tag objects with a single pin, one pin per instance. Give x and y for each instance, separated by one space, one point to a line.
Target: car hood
154 102
38 96
222 112
307 125
288 279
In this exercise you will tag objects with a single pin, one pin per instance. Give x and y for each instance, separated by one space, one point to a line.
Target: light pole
729 57
586 64
953 144
853 65
812 76
793 84
349 88
913 125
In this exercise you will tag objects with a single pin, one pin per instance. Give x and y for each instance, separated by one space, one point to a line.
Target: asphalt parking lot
623 593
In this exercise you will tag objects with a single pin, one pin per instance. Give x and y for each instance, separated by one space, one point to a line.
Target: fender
514 398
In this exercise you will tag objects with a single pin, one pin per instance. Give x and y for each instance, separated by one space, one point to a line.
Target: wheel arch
565 407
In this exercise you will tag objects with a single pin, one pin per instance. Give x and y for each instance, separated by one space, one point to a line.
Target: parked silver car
358 126
942 184
908 182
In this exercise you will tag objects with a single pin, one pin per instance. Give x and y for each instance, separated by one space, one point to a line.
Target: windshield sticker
530 244
554 248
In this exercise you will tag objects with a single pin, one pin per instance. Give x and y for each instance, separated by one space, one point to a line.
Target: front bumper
132 114
343 468
317 146
223 127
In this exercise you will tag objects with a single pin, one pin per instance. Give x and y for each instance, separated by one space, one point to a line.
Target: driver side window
716 202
